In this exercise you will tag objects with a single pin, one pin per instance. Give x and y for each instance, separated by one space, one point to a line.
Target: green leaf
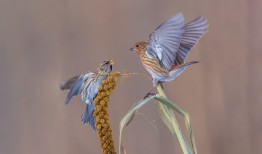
165 109
128 118
175 129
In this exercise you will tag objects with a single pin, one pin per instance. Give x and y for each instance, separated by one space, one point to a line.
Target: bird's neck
141 52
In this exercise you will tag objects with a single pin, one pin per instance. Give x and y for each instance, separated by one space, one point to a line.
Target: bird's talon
149 94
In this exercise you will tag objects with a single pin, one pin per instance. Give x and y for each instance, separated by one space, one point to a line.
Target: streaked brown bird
164 55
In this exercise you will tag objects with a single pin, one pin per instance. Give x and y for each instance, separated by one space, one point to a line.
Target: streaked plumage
87 86
164 55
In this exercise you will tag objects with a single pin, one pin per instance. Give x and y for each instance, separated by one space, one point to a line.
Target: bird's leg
161 84
150 93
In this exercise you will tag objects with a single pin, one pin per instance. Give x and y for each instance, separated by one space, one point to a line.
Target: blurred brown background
45 42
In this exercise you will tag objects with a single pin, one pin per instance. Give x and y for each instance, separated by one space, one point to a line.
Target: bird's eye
137 45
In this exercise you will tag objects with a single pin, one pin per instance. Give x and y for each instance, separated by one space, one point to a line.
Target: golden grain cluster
101 113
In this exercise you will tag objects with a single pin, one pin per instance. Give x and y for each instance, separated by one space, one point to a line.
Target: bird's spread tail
178 70
87 116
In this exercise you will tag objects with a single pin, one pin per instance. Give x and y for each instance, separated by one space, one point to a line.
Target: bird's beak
111 62
132 49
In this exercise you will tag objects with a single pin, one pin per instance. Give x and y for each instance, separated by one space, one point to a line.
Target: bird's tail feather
177 71
87 116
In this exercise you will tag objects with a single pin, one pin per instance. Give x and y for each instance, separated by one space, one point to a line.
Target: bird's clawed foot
149 94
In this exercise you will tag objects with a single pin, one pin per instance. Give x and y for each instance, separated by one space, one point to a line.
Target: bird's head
139 47
106 67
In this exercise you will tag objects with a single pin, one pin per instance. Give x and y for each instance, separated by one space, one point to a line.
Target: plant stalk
169 119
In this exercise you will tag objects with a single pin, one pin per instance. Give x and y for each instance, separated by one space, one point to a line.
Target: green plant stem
169 119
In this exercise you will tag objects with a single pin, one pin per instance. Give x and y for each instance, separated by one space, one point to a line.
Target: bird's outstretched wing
165 40
172 40
77 87
194 30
